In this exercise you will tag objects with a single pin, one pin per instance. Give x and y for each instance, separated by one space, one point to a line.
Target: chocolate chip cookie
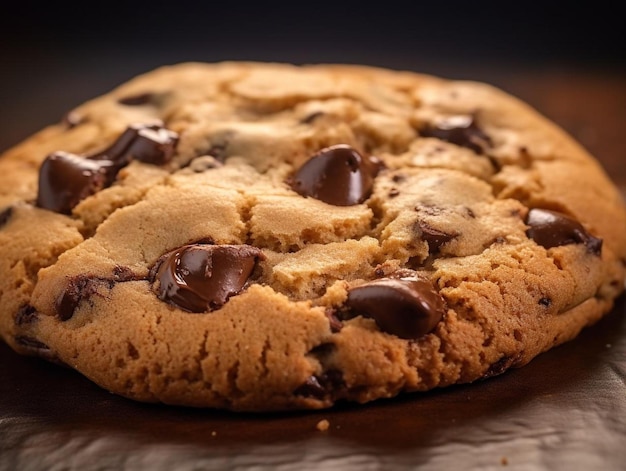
266 236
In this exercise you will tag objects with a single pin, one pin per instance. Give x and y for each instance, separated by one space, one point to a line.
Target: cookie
266 236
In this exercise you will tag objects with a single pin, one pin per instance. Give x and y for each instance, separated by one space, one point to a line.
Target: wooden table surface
565 410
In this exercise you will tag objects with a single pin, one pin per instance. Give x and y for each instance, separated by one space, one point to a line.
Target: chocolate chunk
333 320
337 175
546 302
200 278
26 314
78 290
434 237
65 179
151 144
500 366
328 384
137 100
552 229
406 307
311 388
5 215
460 130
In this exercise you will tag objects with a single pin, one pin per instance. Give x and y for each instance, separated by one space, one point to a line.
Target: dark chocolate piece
151 144
82 287
337 175
201 278
328 384
552 229
546 302
334 321
5 215
502 365
137 100
311 388
65 179
406 307
78 290
434 237
460 130
26 314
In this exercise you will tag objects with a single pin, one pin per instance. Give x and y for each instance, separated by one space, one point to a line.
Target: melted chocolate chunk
5 215
137 100
406 307
553 229
460 130
65 179
337 175
433 237
200 278
152 144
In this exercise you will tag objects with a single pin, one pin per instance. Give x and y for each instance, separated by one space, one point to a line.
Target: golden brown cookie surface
263 236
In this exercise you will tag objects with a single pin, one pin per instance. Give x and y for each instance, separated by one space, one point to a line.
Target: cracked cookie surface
265 236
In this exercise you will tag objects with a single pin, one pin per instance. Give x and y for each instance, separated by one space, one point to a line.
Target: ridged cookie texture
267 236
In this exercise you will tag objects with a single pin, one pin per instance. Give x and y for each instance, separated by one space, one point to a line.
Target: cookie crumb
214 433
323 425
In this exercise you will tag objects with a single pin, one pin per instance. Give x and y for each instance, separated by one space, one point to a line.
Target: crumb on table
323 425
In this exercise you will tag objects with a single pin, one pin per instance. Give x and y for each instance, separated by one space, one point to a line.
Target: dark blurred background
57 55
